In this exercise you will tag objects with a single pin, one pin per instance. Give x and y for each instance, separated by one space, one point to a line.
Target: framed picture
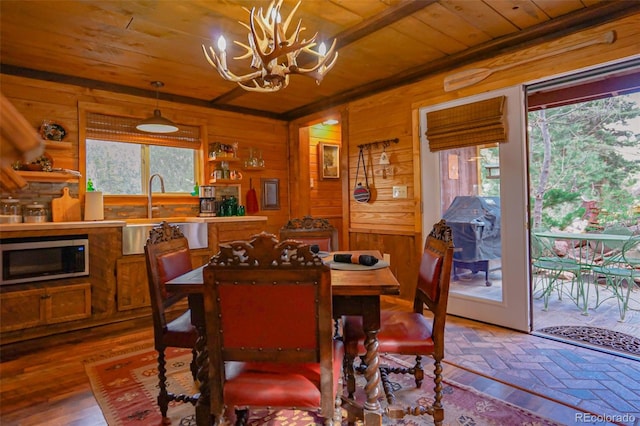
270 194
329 159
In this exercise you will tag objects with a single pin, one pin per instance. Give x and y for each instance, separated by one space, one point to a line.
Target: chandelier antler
273 55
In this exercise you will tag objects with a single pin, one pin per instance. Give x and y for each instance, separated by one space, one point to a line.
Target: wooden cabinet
228 232
132 287
46 305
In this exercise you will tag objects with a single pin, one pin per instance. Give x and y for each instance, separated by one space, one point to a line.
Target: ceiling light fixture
273 54
330 122
157 123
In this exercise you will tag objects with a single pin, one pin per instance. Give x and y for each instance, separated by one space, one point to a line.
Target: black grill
475 224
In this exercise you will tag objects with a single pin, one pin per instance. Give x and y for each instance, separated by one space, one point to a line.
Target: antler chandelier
274 55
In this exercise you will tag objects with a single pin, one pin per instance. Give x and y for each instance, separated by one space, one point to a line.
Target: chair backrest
311 231
631 252
433 279
268 301
168 256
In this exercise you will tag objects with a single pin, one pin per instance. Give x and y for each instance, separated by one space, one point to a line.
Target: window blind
123 129
477 123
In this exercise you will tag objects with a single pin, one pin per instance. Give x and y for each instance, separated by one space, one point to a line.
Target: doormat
125 387
603 337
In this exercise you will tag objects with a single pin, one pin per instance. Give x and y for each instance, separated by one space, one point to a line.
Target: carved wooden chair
168 256
269 323
311 231
412 333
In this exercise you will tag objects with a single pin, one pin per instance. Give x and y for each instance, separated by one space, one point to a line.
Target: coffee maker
208 205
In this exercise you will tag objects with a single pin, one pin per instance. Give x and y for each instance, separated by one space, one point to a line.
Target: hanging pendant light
157 123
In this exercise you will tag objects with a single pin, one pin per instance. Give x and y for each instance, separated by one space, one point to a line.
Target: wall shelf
46 176
224 160
250 169
224 181
57 145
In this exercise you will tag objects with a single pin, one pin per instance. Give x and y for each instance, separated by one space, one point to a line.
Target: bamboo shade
123 129
477 123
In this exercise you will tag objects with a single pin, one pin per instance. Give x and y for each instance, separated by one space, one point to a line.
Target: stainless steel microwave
38 259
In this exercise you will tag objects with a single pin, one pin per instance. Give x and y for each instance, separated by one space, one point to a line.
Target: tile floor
560 381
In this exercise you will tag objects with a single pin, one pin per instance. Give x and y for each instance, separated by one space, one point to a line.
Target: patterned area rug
605 338
125 387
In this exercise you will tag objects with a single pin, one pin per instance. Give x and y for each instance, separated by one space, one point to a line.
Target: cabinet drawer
47 305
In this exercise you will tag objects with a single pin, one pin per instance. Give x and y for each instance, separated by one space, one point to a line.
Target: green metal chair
622 273
550 271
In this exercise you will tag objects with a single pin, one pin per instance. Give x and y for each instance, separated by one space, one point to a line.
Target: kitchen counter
9 227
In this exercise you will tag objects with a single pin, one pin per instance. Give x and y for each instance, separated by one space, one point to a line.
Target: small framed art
329 159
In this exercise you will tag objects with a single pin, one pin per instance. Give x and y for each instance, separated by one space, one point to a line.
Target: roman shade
472 124
123 129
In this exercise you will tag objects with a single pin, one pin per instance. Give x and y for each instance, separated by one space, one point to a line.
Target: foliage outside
585 155
118 168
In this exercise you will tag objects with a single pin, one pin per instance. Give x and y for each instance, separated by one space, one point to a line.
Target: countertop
8 227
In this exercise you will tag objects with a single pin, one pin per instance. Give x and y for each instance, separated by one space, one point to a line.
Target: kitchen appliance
208 205
10 210
475 225
43 258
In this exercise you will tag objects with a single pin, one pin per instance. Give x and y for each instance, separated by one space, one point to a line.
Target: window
121 168
120 159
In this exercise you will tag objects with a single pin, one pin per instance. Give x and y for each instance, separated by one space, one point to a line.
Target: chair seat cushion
180 332
263 384
400 332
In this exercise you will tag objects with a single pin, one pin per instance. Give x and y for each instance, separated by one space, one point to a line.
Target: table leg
371 326
203 410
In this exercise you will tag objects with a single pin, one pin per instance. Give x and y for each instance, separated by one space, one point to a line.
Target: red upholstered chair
269 323
311 231
168 256
412 333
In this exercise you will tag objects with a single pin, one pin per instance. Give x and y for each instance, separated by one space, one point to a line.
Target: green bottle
90 187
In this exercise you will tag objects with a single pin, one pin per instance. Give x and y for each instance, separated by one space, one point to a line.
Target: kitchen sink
136 232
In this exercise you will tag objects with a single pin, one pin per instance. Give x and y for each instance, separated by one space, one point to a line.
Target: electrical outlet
400 191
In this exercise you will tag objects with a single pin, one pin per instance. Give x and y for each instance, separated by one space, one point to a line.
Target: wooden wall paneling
325 198
395 114
402 249
38 100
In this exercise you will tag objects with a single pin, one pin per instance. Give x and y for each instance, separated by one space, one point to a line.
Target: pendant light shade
157 123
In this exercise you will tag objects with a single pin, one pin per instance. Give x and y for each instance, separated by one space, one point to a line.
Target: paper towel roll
93 206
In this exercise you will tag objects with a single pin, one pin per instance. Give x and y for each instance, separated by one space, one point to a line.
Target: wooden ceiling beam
556 28
352 34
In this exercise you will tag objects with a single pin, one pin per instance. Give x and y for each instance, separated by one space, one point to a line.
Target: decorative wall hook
385 143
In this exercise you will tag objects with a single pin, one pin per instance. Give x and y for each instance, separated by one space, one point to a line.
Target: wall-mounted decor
329 161
270 194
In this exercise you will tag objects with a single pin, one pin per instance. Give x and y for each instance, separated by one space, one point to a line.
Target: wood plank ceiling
122 46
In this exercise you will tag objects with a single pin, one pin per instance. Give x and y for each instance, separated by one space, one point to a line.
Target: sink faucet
150 192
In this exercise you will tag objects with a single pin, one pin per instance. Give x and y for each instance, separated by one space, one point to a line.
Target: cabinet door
228 232
22 309
68 303
131 283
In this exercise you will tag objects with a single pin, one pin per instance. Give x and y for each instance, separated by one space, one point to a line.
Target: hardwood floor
43 382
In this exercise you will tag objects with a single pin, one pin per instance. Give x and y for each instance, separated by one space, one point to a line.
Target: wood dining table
355 292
